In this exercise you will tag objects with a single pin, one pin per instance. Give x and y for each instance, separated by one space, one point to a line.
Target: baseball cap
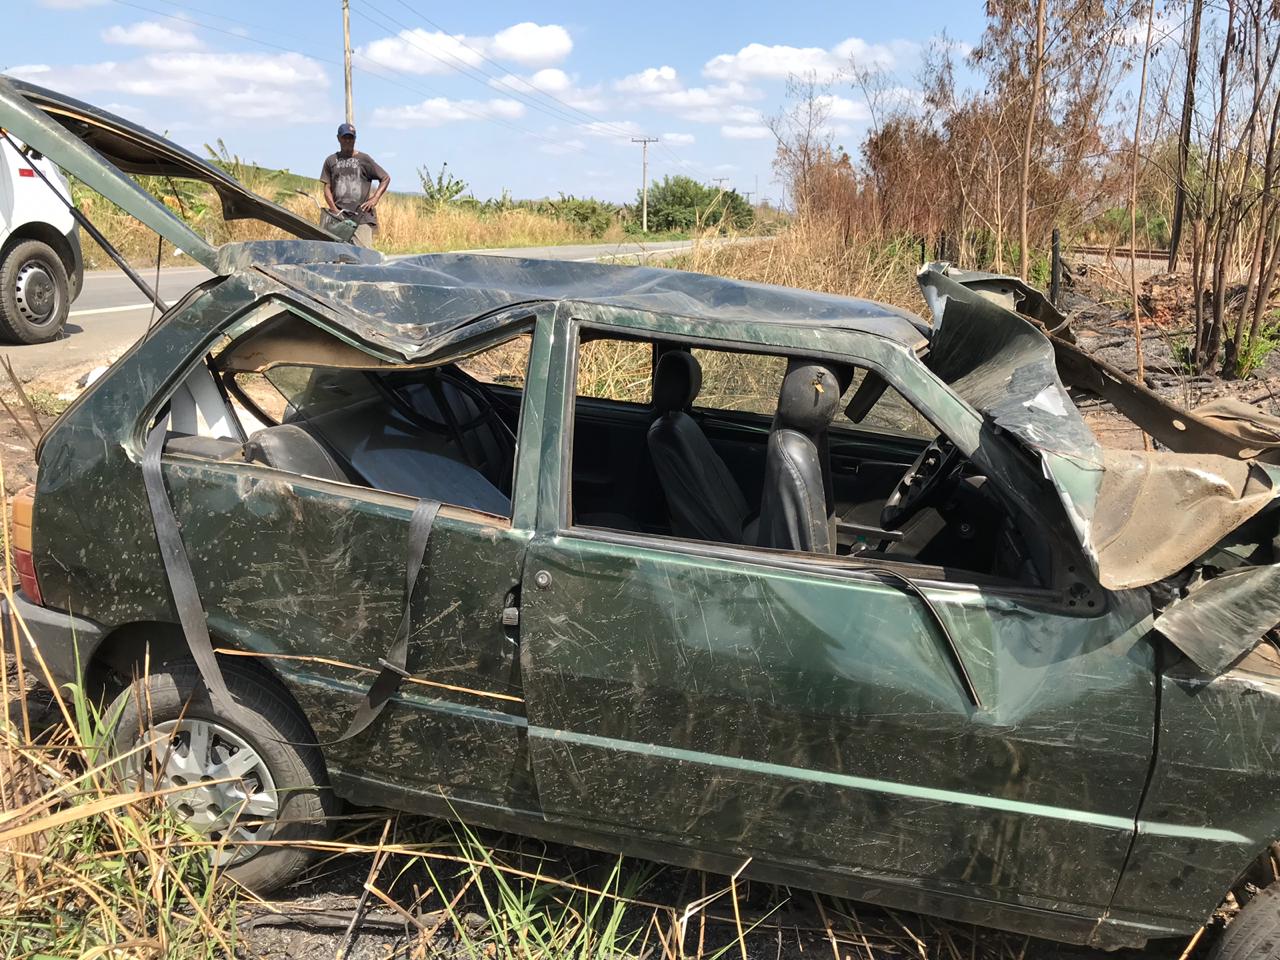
346 130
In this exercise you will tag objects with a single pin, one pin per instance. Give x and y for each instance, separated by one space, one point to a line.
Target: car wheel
278 788
1254 934
34 295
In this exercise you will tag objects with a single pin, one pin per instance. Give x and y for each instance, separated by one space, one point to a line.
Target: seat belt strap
177 568
195 626
387 684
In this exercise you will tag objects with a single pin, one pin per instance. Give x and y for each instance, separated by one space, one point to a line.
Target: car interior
754 450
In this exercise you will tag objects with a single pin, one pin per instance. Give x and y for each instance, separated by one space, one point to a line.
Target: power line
503 79
420 90
458 64
470 70
373 68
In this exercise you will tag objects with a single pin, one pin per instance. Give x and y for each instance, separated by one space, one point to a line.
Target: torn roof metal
408 305
1140 516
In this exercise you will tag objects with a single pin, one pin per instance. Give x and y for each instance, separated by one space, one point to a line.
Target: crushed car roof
406 305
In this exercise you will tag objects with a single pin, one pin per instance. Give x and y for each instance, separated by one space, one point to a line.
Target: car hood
1142 517
100 148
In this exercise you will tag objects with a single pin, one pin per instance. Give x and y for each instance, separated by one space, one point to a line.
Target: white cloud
562 147
842 108
421 51
702 98
734 113
660 88
652 80
745 132
612 130
679 139
438 111
1169 25
433 51
555 82
758 61
285 87
874 56
531 45
148 33
775 62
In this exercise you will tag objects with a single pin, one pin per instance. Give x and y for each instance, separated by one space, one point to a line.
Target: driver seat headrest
676 381
809 397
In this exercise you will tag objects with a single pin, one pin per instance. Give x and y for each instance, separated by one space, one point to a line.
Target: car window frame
960 582
525 318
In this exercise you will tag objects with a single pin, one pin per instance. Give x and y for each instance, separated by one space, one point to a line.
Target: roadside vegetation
444 216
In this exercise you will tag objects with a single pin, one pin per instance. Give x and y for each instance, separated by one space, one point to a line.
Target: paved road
111 313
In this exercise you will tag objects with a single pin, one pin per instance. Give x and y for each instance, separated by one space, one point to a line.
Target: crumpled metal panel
1220 619
409 305
1140 516
1159 511
1004 367
133 149
73 155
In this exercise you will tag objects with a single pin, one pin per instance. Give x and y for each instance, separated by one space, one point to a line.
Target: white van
41 269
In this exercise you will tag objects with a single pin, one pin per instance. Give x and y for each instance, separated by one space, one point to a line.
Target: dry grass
816 255
407 225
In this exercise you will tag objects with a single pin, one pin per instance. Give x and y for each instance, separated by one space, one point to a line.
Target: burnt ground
1097 303
311 917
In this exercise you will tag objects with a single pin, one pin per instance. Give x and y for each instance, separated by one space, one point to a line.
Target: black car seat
704 500
793 510
291 448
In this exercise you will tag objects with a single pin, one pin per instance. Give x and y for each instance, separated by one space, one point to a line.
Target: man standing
347 177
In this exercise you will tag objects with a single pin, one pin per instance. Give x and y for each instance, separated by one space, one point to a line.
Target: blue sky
537 99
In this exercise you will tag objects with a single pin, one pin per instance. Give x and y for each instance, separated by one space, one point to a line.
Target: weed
1256 350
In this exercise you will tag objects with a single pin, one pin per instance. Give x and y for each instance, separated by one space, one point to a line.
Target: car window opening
445 432
774 452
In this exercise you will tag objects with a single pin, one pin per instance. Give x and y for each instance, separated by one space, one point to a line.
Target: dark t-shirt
350 179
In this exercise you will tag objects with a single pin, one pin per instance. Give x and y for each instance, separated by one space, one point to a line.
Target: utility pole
346 57
644 178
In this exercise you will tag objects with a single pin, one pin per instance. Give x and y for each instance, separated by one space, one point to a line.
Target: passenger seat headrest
809 397
676 381
291 448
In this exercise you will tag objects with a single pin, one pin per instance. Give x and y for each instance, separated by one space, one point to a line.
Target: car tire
282 782
1254 934
35 296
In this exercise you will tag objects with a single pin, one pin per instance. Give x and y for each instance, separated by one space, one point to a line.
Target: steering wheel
922 484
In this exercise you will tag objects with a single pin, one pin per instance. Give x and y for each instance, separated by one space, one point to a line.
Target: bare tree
1033 108
1133 198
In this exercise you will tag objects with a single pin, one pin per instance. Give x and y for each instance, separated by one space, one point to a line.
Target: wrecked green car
652 562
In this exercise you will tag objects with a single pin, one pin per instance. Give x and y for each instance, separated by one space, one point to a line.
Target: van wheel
250 778
34 294
1254 934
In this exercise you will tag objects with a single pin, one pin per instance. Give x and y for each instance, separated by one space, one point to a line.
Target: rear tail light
23 506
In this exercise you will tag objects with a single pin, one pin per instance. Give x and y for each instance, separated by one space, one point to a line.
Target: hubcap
37 293
240 811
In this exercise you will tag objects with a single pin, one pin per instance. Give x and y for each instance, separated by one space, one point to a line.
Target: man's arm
325 177
384 181
328 199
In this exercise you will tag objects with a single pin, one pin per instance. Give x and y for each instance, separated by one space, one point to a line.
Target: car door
797 711
309 573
